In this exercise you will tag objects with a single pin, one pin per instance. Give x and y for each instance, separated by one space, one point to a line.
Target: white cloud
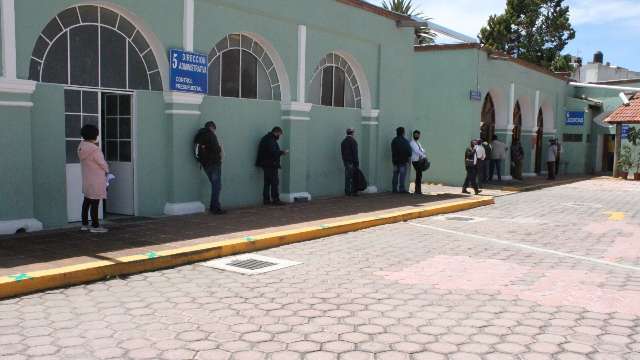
603 12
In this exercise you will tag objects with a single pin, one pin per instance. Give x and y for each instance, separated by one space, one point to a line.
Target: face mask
416 137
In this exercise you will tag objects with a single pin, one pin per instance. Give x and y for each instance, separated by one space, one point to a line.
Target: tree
562 63
424 35
533 30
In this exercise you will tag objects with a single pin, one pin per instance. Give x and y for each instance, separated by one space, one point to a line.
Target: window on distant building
240 67
93 46
334 84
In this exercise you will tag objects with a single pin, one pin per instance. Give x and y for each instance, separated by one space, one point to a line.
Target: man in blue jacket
401 157
268 159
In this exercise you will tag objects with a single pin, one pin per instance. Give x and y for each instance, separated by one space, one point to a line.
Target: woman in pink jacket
94 178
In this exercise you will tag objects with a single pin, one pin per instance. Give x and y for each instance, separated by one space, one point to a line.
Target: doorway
112 113
539 136
608 152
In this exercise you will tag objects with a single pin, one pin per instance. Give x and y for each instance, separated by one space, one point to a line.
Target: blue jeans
495 166
399 178
214 173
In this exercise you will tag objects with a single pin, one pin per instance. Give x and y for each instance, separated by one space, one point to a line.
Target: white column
187 25
8 39
302 63
512 105
536 109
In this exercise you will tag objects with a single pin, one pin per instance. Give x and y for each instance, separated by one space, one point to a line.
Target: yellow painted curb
20 284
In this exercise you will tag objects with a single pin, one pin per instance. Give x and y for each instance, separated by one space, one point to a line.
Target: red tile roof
627 114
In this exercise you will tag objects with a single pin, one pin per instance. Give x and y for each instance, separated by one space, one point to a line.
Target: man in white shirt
418 159
552 156
498 155
481 154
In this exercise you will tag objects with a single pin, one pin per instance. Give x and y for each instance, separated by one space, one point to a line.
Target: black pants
270 192
472 174
349 179
93 205
418 185
551 169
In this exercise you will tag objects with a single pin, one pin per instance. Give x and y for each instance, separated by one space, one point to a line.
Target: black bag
360 181
423 164
201 150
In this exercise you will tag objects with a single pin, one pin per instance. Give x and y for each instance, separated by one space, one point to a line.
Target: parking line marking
529 247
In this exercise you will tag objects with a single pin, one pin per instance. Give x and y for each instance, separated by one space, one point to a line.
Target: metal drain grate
249 264
459 218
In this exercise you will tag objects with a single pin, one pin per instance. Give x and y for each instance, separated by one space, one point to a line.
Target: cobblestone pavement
534 278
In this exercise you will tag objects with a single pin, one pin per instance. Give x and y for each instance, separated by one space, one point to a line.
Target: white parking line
529 247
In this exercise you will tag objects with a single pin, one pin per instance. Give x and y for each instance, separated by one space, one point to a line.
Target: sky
610 26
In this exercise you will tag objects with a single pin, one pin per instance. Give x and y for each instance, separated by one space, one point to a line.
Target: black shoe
478 192
266 202
278 203
464 191
217 212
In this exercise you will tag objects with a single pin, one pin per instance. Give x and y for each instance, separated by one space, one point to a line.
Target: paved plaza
548 274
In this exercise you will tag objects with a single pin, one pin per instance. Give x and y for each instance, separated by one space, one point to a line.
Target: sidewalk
55 258
533 183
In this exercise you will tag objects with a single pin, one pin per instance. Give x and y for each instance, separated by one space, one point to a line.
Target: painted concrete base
9 227
371 190
529 174
173 209
291 198
507 177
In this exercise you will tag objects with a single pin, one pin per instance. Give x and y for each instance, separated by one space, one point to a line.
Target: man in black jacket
209 154
268 159
349 148
401 156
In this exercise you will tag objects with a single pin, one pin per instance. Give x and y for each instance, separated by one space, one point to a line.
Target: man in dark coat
471 165
268 159
349 148
401 157
209 154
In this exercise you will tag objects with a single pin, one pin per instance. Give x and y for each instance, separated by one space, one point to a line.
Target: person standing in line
517 155
401 156
552 156
268 159
418 159
209 155
498 155
349 149
94 178
488 150
560 149
471 165
481 155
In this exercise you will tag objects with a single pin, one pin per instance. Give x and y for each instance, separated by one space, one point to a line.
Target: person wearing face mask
418 160
94 178
268 159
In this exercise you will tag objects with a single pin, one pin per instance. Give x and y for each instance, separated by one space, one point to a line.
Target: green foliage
532 30
424 35
625 162
634 136
562 63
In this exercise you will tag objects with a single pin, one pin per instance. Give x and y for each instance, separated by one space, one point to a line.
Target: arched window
240 67
488 121
93 46
335 84
517 122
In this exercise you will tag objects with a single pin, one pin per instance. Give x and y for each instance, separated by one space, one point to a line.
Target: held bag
424 164
201 152
360 181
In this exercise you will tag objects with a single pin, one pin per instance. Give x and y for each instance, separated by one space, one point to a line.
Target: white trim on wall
16 86
182 98
302 62
188 25
27 104
182 112
296 118
8 39
174 209
371 113
9 227
297 106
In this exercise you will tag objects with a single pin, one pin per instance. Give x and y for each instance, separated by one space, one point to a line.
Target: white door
82 107
118 148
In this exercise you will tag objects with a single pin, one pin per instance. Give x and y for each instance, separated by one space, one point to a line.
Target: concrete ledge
174 209
9 227
371 190
20 284
291 198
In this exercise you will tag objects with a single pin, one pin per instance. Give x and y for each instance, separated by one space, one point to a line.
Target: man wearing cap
349 148
209 154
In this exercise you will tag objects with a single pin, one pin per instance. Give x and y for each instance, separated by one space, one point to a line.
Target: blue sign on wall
475 95
575 118
625 131
189 71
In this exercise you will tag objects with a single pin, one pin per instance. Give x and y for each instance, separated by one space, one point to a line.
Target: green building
66 63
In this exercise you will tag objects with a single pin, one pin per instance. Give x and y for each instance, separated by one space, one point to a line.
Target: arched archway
245 65
95 46
539 141
488 119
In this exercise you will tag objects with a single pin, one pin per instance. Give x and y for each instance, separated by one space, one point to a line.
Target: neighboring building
598 71
66 63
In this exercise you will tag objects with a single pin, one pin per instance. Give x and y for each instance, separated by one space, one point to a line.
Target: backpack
201 147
